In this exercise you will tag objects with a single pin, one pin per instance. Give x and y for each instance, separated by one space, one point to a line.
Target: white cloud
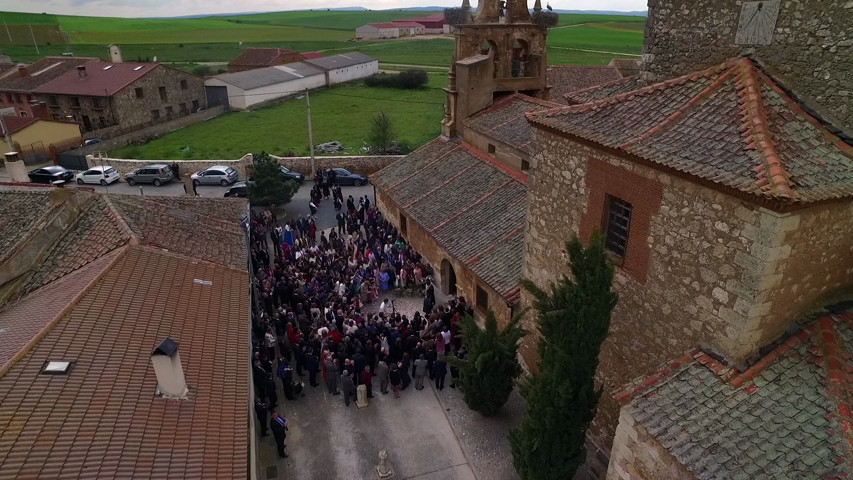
170 8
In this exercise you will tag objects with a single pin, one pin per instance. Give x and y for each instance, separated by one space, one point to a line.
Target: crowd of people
321 311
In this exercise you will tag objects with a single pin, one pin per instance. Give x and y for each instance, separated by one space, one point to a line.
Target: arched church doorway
448 278
519 58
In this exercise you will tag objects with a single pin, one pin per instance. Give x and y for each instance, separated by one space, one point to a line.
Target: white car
98 175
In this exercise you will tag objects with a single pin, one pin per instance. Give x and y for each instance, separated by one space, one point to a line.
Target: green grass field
341 113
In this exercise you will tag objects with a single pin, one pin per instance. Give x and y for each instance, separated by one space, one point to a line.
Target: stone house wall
424 244
702 268
811 48
136 112
637 455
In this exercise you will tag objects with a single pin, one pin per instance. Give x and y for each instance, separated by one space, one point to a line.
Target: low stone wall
150 132
186 167
364 165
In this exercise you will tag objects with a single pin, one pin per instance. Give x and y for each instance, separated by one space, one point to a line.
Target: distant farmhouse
251 88
253 58
406 27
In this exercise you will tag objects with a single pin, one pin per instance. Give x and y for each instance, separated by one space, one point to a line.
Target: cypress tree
561 400
488 375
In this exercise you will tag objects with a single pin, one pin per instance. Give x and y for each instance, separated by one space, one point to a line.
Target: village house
404 27
108 99
113 360
255 57
16 88
35 138
345 67
375 31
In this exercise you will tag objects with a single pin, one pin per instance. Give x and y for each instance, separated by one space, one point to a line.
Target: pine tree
561 400
488 375
268 184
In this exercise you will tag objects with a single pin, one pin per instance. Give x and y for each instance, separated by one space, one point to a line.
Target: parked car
156 173
288 173
215 175
92 141
239 190
342 176
50 174
103 175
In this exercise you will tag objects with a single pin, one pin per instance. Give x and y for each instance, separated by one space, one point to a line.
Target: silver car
156 173
215 175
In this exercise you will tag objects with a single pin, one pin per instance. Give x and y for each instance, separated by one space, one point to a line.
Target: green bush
406 80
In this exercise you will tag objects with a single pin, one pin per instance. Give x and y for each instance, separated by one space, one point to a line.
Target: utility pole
310 135
7 134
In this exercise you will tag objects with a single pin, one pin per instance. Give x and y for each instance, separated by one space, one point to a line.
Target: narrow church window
492 148
482 298
403 225
525 165
618 223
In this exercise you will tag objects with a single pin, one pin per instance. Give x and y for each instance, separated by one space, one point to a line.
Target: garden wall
365 165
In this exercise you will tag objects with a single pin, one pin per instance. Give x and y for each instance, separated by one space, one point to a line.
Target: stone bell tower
501 51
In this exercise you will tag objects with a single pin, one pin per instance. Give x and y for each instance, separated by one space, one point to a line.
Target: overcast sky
171 8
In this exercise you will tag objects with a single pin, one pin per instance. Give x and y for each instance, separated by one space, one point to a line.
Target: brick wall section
424 244
637 455
811 48
643 194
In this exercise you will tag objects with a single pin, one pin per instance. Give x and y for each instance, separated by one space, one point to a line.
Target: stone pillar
15 168
384 469
361 396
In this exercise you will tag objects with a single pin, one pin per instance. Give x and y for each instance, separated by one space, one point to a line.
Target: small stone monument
384 468
361 396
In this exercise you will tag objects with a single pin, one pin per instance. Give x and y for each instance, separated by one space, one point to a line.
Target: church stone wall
811 49
638 455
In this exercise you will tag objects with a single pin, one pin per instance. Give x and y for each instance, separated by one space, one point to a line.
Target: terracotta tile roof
21 322
208 229
103 419
404 23
15 124
448 186
103 79
571 78
385 25
94 234
20 212
602 91
260 57
505 121
788 416
730 124
41 72
312 55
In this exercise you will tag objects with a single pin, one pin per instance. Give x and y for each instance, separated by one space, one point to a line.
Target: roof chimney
170 372
81 71
23 71
115 53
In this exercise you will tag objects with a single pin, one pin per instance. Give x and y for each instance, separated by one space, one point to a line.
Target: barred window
617 226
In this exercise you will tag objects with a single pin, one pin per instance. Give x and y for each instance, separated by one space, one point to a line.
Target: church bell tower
499 51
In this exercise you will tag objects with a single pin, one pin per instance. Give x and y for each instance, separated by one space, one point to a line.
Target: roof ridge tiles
700 97
445 182
417 171
758 134
469 206
492 245
646 383
116 216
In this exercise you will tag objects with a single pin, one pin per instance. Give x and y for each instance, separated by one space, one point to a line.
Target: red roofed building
253 58
312 55
116 98
432 24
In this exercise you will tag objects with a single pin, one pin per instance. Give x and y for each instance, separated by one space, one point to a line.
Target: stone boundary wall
364 165
145 134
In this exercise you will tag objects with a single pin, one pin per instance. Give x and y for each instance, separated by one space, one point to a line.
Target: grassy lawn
341 113
624 37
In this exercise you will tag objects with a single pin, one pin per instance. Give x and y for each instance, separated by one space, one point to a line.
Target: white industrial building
345 67
374 31
245 90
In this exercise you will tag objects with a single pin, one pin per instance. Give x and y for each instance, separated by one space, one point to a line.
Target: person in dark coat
285 373
367 381
313 365
347 386
278 425
396 381
261 412
382 374
272 395
440 371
